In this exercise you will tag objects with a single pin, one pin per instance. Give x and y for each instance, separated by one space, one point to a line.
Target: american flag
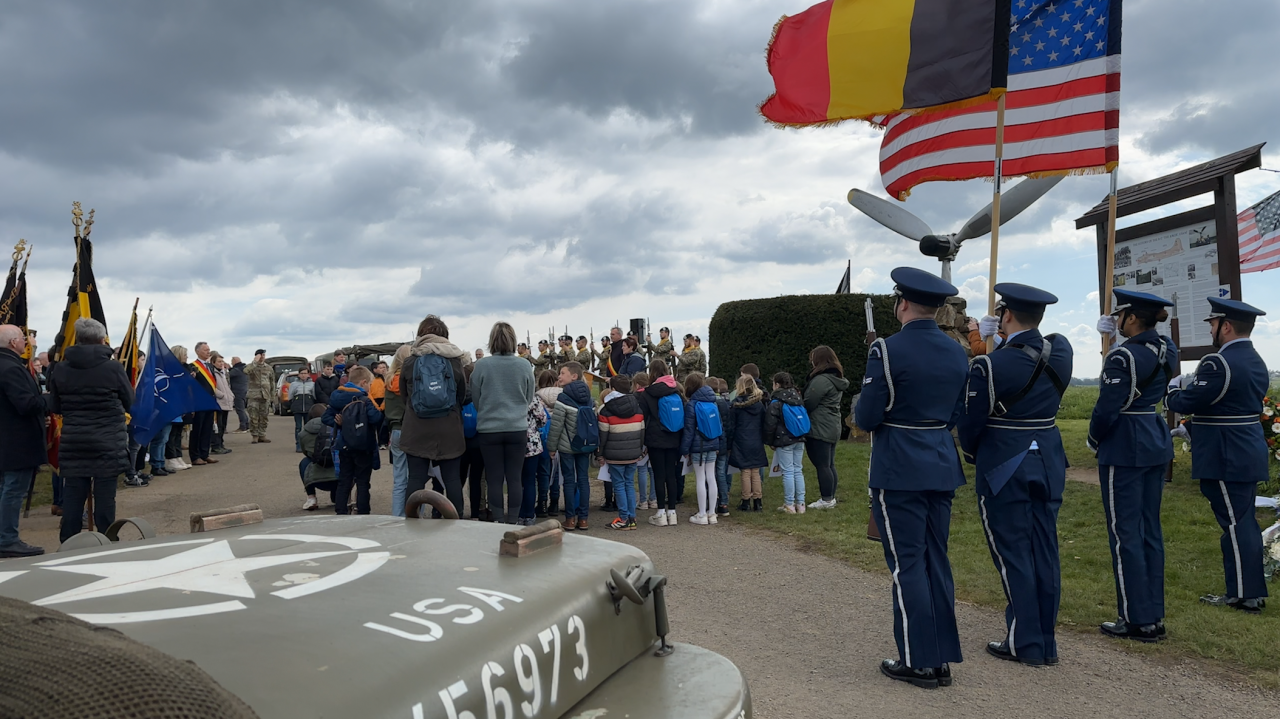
1260 236
1062 109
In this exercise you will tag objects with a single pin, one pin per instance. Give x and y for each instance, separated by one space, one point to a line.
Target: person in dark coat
240 391
92 393
22 426
662 443
745 430
326 383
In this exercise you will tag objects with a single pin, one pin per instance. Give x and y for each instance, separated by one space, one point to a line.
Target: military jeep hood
368 616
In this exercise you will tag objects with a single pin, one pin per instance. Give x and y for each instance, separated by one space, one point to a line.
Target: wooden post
1109 278
1170 417
995 217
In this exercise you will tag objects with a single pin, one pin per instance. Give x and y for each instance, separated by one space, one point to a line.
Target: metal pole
1108 280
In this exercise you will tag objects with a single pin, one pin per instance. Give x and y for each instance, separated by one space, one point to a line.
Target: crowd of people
521 433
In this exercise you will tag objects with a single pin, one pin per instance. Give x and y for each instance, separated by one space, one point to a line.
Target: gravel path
808 631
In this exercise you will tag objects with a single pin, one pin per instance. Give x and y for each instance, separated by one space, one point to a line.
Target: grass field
1233 641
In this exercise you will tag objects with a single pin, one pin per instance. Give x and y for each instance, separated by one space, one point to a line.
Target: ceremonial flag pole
129 350
1109 279
995 217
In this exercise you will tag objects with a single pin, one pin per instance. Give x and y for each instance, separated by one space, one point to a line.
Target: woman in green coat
822 395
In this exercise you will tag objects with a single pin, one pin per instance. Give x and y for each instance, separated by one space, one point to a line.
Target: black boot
757 505
1120 629
745 506
1001 650
923 678
540 511
944 675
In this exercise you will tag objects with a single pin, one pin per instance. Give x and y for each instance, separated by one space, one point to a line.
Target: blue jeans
12 492
791 460
399 475
576 469
158 442
624 489
548 490
724 480
529 486
644 478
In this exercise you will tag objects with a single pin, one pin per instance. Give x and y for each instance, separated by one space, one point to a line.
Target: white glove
1107 325
988 326
1177 382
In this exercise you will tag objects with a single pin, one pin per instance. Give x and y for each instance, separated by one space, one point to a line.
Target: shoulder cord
888 375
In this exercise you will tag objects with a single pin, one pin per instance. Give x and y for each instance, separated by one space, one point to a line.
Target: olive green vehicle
375 616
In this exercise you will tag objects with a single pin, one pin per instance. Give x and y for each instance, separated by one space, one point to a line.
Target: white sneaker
659 519
789 509
671 517
698 518
173 465
822 504
711 518
799 507
310 504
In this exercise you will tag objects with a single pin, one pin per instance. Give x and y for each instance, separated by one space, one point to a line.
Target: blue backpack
796 418
469 420
434 387
586 435
708 419
671 412
546 430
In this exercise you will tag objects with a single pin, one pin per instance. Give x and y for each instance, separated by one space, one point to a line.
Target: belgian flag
853 59
82 296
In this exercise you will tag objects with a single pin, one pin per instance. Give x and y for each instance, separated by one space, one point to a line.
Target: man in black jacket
240 390
201 442
92 393
326 383
22 425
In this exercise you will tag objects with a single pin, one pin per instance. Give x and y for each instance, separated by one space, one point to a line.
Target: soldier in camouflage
585 354
544 358
602 357
566 353
261 386
691 360
663 349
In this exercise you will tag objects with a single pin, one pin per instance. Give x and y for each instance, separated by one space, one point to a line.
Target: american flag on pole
1260 236
1062 110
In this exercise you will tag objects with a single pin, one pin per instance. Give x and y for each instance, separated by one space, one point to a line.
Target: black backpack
355 425
322 452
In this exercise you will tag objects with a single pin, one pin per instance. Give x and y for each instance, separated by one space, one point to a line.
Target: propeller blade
1012 203
890 215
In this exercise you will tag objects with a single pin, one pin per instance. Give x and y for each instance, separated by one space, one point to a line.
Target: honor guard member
664 348
1228 448
912 395
1008 431
602 357
565 353
584 354
692 359
544 358
1133 447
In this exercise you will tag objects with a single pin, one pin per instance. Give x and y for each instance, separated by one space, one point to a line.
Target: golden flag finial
77 217
88 225
18 249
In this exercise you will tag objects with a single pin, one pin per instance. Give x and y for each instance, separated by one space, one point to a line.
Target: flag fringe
991 96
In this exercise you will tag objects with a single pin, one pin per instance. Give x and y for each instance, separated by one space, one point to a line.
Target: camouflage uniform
542 361
564 356
585 357
261 386
691 360
602 362
661 351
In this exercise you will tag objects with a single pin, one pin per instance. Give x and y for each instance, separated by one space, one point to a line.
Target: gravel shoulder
808 631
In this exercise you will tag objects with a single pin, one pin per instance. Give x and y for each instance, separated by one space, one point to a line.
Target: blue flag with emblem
165 391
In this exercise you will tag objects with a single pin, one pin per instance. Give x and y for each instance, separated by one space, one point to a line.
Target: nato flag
166 391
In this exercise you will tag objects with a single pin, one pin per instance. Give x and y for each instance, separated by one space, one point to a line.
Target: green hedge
778 333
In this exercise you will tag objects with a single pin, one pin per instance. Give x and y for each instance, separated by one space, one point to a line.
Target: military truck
376 616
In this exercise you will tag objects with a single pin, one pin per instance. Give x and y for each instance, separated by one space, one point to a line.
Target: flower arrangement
1271 551
1271 426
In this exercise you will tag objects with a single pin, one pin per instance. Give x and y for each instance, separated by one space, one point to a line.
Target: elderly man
92 393
261 386
22 424
201 441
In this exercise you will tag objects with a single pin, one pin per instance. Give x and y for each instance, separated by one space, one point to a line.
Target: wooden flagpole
1108 280
995 217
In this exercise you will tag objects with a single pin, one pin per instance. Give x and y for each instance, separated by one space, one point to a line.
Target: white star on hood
212 568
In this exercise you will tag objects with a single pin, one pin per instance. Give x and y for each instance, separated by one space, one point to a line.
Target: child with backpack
724 480
662 403
537 428
745 429
621 446
700 443
574 435
316 467
357 420
646 494
786 424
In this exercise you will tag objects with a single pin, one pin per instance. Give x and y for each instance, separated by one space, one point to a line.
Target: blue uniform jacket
1227 440
912 394
1125 429
997 445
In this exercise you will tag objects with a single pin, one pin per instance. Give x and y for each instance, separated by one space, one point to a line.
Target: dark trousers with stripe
1131 499
1021 525
914 528
1241 541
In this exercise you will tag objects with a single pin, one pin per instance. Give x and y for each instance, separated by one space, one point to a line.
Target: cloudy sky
303 175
